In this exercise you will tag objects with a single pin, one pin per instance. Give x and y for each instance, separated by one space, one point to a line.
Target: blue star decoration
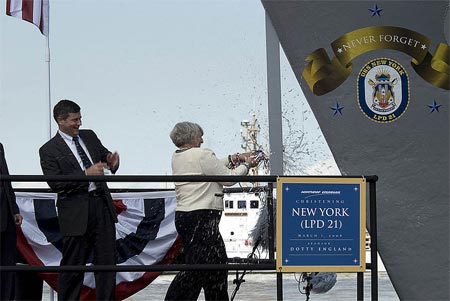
434 107
337 109
376 11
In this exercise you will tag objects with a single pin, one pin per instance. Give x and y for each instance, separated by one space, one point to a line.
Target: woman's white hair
185 133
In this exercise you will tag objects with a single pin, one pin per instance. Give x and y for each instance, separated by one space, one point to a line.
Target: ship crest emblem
383 90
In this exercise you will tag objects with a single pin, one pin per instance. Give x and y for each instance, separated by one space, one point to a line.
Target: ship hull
409 151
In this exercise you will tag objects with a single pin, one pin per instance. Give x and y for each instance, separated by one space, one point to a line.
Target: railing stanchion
270 220
373 240
360 286
270 213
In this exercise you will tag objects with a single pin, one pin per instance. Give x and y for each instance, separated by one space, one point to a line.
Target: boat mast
249 137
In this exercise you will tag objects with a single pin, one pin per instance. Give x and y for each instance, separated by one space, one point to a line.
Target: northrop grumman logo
383 90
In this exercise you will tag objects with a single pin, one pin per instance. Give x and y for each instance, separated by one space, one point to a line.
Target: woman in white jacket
198 213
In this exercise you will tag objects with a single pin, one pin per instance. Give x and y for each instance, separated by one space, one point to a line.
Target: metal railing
251 264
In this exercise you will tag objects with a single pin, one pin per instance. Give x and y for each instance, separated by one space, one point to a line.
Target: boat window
242 205
254 204
231 204
226 204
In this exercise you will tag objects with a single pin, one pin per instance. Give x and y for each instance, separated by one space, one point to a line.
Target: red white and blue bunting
145 235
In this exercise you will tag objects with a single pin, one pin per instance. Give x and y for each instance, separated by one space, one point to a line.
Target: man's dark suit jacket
8 198
57 159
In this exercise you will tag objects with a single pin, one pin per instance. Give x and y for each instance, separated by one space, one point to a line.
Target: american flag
34 11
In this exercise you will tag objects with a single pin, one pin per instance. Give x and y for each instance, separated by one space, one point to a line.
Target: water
262 286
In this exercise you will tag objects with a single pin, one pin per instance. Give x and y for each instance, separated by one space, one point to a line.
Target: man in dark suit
85 209
9 218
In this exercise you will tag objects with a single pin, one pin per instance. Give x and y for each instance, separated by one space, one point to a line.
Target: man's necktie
84 158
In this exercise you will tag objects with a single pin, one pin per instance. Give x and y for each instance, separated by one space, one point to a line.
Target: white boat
242 209
241 212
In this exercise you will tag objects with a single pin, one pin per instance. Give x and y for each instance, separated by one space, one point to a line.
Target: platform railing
259 265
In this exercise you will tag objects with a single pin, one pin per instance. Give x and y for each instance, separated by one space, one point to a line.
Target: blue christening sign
321 224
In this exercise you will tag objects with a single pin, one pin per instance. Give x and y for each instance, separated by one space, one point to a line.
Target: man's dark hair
63 108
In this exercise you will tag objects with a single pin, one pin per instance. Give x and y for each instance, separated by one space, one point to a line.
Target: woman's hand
251 160
244 156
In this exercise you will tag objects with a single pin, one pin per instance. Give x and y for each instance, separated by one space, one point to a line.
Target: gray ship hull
345 55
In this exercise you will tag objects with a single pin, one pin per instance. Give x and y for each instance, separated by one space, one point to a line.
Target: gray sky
137 67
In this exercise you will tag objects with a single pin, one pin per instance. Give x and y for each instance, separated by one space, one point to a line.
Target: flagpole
49 99
49 111
49 95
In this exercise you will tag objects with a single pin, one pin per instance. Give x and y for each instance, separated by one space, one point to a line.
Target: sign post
321 224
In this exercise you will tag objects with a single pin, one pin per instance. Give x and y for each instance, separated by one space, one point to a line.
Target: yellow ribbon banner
324 75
